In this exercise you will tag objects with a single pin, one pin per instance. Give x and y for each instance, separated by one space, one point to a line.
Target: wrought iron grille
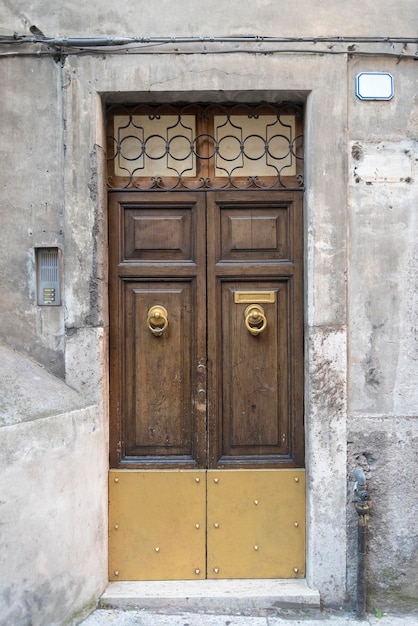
205 146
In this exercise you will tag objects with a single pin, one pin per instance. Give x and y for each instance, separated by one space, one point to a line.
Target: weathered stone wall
383 309
361 291
32 208
53 473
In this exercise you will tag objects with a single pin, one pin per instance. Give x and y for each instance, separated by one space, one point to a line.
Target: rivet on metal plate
197 526
216 525
116 526
116 480
197 570
296 570
216 480
157 549
116 572
295 524
197 480
256 548
256 502
296 479
216 570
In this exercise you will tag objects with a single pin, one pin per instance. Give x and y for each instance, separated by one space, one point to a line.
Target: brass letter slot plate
254 297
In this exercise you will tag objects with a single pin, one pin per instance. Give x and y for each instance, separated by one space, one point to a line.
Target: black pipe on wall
362 508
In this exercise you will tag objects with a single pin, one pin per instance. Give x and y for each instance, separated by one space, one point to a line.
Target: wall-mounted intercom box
48 276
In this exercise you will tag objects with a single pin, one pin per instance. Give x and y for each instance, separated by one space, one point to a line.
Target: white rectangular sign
374 86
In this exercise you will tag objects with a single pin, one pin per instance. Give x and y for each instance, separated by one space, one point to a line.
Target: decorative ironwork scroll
205 146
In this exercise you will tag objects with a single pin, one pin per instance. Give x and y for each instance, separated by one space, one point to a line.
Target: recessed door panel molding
254 385
159 422
158 233
254 232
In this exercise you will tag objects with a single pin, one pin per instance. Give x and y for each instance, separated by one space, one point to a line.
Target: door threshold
212 596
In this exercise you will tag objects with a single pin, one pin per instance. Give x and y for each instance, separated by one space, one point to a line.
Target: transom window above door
205 146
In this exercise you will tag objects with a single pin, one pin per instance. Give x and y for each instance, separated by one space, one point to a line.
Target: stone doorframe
221 78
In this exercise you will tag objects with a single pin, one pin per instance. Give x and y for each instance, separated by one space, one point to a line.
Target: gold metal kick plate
256 523
256 297
194 524
157 525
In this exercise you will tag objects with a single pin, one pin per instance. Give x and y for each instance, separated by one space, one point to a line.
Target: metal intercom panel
48 276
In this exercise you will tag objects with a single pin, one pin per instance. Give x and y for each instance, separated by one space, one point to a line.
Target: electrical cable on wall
250 44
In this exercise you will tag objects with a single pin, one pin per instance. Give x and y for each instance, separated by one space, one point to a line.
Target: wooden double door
206 379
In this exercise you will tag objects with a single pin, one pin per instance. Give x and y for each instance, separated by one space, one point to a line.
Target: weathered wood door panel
254 394
214 379
159 423
158 258
255 390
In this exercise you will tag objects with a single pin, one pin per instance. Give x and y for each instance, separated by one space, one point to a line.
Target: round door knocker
157 320
255 319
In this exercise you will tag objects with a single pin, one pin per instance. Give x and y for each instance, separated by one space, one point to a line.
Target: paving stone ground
281 617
